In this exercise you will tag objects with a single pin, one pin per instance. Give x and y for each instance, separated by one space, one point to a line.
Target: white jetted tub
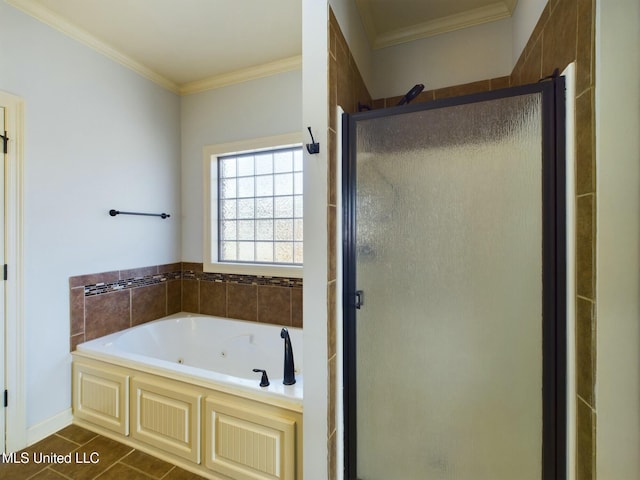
183 387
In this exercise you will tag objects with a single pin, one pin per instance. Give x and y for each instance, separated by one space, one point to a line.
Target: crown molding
477 16
243 75
54 20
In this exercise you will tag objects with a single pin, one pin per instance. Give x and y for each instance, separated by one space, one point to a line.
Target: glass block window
260 207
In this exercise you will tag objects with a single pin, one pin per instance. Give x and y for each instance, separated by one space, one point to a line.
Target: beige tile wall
564 33
347 89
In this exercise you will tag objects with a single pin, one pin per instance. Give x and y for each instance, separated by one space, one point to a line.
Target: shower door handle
359 299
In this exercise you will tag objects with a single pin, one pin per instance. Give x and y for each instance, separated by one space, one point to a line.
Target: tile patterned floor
112 460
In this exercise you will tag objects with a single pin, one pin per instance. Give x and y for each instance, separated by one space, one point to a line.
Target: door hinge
5 272
6 398
5 140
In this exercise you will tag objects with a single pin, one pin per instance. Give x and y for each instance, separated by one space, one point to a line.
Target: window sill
283 271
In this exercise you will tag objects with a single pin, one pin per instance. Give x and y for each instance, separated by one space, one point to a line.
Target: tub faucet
289 375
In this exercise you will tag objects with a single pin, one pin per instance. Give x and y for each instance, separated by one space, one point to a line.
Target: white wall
524 19
315 89
454 58
618 240
258 108
97 136
477 53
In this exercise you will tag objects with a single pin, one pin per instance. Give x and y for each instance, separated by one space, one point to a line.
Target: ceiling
195 45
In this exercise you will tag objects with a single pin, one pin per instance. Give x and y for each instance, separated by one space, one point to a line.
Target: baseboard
49 426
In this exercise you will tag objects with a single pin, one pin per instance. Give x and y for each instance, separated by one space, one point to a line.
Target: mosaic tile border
135 282
241 279
154 279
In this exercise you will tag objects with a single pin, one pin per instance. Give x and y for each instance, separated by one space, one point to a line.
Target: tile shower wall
564 33
108 302
347 89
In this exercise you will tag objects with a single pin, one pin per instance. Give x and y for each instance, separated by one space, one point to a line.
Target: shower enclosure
454 288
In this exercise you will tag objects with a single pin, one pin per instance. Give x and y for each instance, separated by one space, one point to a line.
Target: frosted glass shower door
447 217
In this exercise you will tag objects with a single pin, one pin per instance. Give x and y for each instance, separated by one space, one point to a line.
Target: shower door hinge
359 299
6 397
5 273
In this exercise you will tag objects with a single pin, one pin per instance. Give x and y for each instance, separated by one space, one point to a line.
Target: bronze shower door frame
554 335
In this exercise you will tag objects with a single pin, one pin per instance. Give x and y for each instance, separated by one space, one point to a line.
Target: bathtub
207 348
183 388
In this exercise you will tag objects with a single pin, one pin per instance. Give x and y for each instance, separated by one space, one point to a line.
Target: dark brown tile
174 296
331 319
332 33
213 298
585 441
333 456
585 53
344 93
391 101
146 463
585 265
180 474
192 266
500 82
559 37
75 340
190 296
424 96
76 307
121 471
465 89
332 389
379 103
360 89
170 267
333 93
148 303
46 474
585 344
537 30
585 162
274 305
333 166
242 301
138 272
296 307
331 242
51 444
517 69
102 450
93 278
76 434
107 313
531 68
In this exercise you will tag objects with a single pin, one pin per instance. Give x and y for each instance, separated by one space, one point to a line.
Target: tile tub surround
108 302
